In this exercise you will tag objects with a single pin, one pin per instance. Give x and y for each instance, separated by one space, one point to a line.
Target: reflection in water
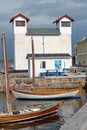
69 108
80 103
35 124
2 101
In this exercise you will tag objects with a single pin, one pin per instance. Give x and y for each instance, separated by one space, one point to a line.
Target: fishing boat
12 116
43 93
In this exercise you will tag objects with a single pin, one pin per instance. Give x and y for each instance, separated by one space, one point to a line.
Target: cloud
43 13
44 10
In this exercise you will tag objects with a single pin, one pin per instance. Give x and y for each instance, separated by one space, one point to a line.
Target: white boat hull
20 95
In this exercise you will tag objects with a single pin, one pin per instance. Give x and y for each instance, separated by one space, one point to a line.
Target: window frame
65 24
43 64
20 23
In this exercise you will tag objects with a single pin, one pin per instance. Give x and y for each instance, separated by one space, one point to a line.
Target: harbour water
10 62
54 122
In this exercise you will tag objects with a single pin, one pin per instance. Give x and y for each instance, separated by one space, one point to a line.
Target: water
10 63
54 122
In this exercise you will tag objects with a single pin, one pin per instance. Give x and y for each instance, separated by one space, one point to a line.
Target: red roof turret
64 17
19 15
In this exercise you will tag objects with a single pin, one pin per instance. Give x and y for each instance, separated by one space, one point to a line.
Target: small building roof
65 16
50 56
43 31
19 15
84 39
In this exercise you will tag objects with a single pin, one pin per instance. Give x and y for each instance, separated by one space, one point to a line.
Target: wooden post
6 73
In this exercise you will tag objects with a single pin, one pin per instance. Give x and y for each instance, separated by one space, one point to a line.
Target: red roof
19 15
65 16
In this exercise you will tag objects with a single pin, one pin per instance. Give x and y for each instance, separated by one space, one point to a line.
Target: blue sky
42 13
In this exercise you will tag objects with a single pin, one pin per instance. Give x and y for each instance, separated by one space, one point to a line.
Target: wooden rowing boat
11 116
29 113
42 93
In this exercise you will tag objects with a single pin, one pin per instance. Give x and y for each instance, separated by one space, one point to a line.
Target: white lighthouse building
52 46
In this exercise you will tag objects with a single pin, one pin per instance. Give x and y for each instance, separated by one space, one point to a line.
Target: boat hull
20 95
11 118
45 95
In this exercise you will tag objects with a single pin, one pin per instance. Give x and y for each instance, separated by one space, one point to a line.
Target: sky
43 13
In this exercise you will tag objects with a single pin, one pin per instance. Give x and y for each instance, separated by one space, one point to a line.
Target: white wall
22 44
52 44
50 64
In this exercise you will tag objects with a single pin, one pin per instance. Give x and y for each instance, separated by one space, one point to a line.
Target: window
65 24
43 64
20 23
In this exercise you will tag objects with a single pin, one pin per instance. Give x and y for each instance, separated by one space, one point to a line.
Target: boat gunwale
58 91
29 116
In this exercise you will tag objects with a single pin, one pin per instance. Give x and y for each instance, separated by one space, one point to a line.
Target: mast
33 62
6 73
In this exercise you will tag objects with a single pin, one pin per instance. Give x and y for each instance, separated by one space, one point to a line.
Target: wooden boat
29 114
11 116
43 93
